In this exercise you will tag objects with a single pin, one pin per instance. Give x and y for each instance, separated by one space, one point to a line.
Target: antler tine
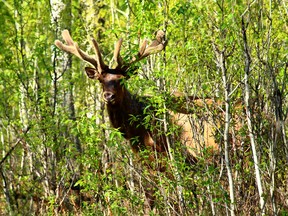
156 46
73 48
86 57
117 56
142 48
101 65
70 44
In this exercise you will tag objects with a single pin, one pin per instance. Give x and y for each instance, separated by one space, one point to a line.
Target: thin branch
25 131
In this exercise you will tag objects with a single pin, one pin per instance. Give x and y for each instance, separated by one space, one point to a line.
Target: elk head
111 79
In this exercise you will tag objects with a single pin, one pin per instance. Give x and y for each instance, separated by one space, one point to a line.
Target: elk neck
121 114
129 118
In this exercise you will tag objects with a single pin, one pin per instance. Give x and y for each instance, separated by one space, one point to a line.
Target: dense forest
59 153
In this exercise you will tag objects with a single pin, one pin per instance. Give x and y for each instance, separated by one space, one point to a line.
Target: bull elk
122 105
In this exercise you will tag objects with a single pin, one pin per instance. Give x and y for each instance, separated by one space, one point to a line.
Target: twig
14 146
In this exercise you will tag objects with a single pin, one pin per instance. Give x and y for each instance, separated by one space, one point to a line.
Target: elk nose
108 96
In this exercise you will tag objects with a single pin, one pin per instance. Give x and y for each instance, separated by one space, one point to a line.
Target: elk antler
156 46
117 56
74 49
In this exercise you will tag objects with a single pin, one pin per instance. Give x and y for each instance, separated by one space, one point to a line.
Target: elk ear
92 73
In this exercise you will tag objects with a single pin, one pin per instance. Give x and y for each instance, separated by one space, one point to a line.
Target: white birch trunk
220 61
226 138
248 119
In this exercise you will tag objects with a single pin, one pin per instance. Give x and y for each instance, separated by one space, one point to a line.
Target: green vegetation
55 136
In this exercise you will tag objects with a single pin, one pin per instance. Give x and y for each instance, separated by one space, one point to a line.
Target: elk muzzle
109 97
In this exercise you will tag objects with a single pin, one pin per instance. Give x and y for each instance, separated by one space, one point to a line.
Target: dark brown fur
126 113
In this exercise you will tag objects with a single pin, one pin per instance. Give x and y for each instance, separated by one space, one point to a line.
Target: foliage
59 153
